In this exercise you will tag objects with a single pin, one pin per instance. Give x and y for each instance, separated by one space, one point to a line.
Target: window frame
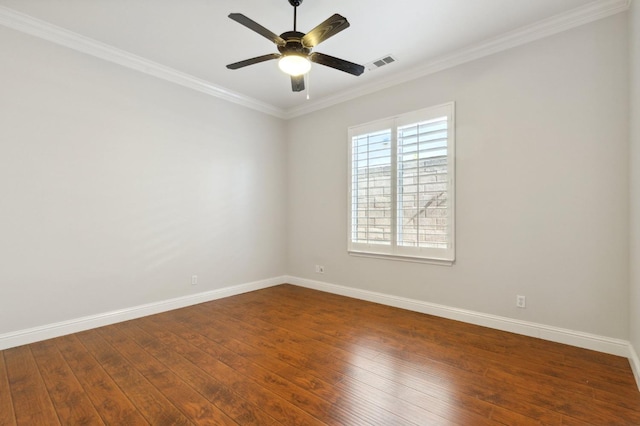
443 256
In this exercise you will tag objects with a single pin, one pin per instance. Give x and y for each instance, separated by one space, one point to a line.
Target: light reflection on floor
375 371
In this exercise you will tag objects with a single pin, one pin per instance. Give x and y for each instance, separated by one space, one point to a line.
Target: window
401 187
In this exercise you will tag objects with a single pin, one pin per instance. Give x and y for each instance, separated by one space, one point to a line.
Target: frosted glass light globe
294 65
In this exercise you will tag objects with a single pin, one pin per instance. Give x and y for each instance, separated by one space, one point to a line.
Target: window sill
441 262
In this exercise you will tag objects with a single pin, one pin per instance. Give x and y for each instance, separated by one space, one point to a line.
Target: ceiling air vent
380 62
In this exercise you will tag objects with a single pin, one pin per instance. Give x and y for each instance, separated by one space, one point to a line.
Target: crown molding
591 12
46 31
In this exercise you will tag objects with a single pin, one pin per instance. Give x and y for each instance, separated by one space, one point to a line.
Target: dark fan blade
297 83
328 28
339 64
253 25
252 61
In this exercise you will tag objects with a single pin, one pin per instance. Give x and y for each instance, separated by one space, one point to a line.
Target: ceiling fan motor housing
293 45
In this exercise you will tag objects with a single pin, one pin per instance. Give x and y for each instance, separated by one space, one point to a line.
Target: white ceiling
197 38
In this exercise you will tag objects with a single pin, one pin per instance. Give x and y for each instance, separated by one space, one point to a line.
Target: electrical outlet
320 269
521 301
194 280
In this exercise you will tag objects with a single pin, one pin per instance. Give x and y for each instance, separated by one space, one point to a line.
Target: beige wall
542 185
117 187
634 38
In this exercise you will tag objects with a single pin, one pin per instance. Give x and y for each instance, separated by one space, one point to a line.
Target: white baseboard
554 334
635 364
23 337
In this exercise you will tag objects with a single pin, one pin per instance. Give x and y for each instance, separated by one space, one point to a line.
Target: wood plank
111 403
629 399
437 381
154 406
373 408
176 388
7 416
69 398
30 397
217 364
444 329
438 385
248 381
290 355
474 358
569 403
297 364
159 343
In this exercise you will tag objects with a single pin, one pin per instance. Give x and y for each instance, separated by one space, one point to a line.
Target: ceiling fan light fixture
295 48
294 65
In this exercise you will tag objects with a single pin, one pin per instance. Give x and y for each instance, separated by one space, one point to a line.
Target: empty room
309 212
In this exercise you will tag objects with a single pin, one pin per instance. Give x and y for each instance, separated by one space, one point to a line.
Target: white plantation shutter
422 184
371 182
401 186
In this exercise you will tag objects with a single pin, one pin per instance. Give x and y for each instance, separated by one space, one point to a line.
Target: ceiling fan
295 47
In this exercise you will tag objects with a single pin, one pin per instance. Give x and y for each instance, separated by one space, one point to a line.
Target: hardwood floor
289 355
